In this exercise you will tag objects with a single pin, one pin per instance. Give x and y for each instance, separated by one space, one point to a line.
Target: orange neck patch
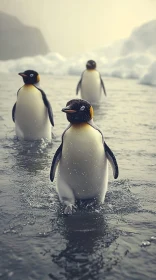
38 78
91 112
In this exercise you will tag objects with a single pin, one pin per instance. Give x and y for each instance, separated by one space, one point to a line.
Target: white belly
83 165
31 117
91 87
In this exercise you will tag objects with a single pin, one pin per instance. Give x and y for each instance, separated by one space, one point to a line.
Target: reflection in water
90 247
31 173
31 156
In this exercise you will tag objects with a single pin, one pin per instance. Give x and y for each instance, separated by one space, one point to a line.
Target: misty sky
75 26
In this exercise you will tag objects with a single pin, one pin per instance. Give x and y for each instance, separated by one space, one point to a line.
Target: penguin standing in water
32 113
82 158
91 84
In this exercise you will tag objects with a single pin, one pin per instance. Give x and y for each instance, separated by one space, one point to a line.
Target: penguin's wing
55 162
57 157
47 104
14 107
110 156
103 86
79 84
13 112
19 90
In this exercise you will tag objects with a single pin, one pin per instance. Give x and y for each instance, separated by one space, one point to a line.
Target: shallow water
36 240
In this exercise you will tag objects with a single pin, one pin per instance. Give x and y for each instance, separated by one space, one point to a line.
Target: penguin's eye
82 108
31 75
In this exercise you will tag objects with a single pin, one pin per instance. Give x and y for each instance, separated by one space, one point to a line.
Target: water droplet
31 223
43 234
10 274
6 231
145 243
153 238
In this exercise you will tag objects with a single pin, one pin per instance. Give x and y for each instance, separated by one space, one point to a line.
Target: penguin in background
91 84
82 158
32 112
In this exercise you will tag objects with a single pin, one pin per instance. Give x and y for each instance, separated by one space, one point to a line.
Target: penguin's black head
30 77
78 111
91 65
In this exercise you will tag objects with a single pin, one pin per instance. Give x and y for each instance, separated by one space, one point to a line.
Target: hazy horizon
72 27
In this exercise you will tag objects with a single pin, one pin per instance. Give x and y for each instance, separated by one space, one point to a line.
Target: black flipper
78 86
14 108
112 160
109 154
79 83
47 104
103 86
55 162
57 157
19 90
13 112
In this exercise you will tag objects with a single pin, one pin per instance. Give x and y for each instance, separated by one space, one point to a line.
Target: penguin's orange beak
22 74
68 110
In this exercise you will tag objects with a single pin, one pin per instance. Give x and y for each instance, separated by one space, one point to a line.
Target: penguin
82 158
32 112
91 84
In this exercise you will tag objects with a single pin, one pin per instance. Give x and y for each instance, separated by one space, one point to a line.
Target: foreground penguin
82 158
32 113
91 84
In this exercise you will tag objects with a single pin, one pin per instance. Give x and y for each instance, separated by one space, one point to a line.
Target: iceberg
131 58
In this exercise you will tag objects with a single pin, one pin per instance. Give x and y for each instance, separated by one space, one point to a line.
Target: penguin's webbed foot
69 209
